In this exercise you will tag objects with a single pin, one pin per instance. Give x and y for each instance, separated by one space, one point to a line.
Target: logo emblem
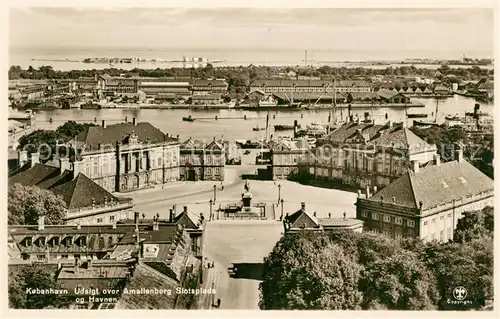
459 293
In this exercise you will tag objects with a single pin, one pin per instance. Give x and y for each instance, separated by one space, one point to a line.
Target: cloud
238 17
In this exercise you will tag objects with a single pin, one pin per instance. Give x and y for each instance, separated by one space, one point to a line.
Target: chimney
437 159
114 225
303 206
375 189
156 224
459 155
136 218
22 158
415 166
78 225
367 192
103 124
394 200
41 222
367 117
133 121
171 216
314 214
64 164
185 209
345 215
77 168
35 159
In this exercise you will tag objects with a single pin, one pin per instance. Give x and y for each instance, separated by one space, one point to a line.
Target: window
111 218
387 233
99 220
387 218
364 214
433 220
433 236
375 216
425 223
441 218
27 242
64 256
399 235
449 215
40 257
398 220
441 235
411 223
77 256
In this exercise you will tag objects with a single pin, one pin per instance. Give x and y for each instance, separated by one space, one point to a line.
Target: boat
424 124
259 128
267 103
284 127
188 119
417 115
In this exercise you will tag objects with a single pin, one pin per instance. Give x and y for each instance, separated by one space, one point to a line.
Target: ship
284 127
424 124
417 115
258 128
188 119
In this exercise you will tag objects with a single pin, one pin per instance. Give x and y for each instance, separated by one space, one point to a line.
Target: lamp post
279 192
215 193
281 216
211 203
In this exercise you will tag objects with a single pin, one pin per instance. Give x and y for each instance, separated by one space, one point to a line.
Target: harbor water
232 125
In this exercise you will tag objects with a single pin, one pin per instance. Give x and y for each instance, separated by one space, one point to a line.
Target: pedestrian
218 302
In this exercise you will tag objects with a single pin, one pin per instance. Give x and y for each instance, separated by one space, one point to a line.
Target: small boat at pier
188 119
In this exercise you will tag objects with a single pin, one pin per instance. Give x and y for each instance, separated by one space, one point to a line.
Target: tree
468 265
306 271
399 282
474 224
27 203
24 277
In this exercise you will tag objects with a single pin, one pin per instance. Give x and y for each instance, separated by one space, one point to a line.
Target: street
242 243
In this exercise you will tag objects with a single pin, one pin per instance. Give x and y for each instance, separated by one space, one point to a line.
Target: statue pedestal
247 209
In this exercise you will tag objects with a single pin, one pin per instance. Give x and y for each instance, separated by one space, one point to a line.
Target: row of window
433 221
388 219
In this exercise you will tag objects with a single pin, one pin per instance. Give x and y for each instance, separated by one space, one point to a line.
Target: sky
457 30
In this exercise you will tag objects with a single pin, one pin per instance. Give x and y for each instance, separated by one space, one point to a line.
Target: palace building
201 161
426 203
309 86
362 154
86 201
126 156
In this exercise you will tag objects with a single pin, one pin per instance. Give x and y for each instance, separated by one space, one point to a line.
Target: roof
145 277
339 222
98 272
435 185
76 193
395 136
308 96
283 145
168 84
302 215
95 135
387 94
308 83
399 137
188 219
192 143
216 82
341 134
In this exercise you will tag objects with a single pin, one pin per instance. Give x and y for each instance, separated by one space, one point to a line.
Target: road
244 243
196 196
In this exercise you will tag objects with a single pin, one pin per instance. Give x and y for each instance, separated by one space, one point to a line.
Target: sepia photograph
248 158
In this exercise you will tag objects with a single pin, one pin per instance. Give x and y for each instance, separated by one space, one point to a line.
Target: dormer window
55 241
444 184
463 180
28 242
69 241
